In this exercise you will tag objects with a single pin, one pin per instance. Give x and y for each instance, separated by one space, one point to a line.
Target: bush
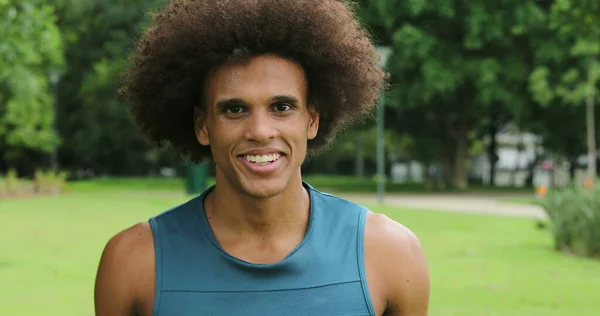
574 215
50 182
12 186
44 183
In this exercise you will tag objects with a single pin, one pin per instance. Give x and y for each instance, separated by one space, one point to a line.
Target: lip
262 151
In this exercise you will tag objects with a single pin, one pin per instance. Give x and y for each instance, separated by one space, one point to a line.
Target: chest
334 300
350 298
325 275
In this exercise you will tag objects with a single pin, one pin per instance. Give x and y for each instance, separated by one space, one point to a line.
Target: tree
341 157
93 120
456 60
569 140
568 67
31 50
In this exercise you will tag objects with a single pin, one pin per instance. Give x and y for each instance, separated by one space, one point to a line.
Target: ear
200 127
313 123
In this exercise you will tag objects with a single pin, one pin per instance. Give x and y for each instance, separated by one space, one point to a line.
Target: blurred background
484 146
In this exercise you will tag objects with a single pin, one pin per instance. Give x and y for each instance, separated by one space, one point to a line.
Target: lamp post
54 79
384 53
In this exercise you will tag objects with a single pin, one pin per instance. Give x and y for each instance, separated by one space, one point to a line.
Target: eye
234 109
282 107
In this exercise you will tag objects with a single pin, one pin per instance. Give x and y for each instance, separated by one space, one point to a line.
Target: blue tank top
324 275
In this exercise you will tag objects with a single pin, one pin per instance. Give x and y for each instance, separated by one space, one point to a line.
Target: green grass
351 184
342 184
480 265
130 184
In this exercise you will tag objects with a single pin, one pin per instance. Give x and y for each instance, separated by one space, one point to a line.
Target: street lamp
54 79
384 54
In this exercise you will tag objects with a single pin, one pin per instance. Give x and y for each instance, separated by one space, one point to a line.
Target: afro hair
188 38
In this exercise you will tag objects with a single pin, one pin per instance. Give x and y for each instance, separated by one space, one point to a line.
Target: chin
263 188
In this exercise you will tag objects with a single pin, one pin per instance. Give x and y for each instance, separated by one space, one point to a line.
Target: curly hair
188 38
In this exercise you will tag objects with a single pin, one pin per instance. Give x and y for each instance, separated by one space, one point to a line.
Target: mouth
262 159
263 163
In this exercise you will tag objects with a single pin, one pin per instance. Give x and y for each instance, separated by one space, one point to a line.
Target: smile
262 159
263 164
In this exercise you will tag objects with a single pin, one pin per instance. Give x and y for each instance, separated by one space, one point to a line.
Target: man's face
257 123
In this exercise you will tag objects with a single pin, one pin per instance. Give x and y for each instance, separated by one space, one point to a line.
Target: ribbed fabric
323 276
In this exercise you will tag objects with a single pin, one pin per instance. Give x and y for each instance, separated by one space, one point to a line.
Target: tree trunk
456 153
572 168
459 177
446 174
513 173
492 150
360 156
531 170
454 163
517 167
591 128
427 175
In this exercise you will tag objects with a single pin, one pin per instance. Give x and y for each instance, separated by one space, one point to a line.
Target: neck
233 212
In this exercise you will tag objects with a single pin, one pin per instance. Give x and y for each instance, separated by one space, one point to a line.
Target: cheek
297 133
224 137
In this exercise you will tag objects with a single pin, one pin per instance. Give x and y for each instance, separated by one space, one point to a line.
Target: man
254 86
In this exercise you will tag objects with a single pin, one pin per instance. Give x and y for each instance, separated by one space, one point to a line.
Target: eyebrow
224 104
285 98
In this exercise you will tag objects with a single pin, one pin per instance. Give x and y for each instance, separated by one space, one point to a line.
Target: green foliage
433 64
454 62
93 120
458 67
574 214
341 157
567 55
566 76
31 49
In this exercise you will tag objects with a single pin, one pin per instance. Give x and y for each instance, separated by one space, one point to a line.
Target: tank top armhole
362 220
158 266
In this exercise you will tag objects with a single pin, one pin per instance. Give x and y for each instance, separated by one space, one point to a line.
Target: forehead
258 78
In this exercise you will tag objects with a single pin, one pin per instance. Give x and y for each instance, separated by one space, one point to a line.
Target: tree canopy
30 53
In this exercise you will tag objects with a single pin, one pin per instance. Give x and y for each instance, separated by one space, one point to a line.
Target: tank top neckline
207 229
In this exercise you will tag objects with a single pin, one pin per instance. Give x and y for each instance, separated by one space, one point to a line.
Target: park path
479 204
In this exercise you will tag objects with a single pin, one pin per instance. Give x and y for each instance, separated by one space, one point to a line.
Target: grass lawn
480 265
347 184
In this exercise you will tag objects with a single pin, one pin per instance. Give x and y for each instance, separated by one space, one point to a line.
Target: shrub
3 192
44 183
50 182
574 215
13 186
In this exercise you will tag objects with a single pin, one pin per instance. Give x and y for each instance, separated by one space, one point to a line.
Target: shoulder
333 203
135 241
400 266
126 269
393 237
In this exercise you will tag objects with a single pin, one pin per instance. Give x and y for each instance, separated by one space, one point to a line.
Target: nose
260 127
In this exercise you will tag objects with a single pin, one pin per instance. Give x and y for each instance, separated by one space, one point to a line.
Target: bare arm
400 265
122 276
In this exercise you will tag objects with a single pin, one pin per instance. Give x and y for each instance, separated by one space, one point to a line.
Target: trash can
196 178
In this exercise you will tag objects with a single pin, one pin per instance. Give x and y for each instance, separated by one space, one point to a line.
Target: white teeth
263 159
